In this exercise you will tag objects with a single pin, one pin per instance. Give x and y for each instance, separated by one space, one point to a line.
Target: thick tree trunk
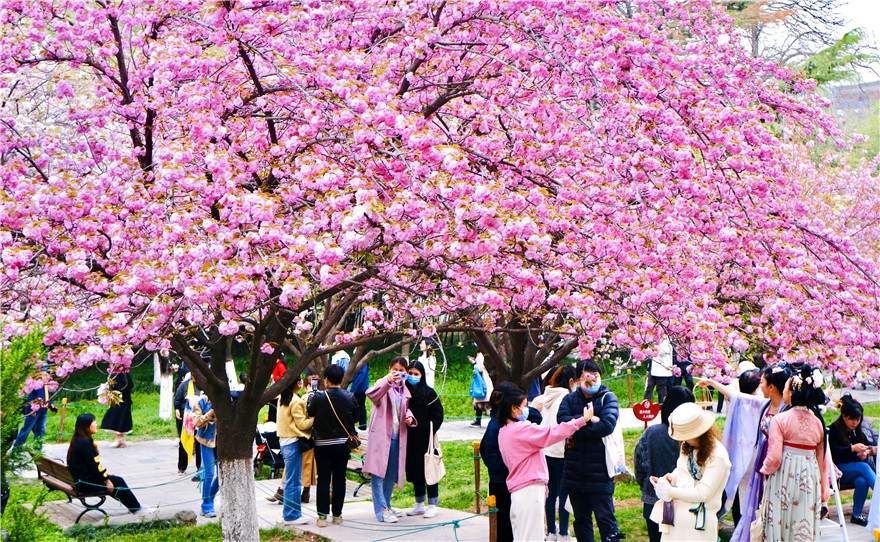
239 508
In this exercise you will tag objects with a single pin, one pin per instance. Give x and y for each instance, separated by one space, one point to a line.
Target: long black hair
806 391
287 393
503 399
850 409
420 392
777 375
82 429
675 397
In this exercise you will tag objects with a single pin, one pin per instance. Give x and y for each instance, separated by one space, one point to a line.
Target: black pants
653 528
182 457
502 502
584 506
124 495
686 376
662 383
360 409
331 462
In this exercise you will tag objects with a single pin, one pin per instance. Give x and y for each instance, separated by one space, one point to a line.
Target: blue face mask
523 416
592 389
412 379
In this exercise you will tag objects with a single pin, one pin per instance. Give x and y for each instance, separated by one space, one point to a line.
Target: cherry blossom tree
176 173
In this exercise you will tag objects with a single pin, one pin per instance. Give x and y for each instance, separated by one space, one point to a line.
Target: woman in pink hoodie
522 449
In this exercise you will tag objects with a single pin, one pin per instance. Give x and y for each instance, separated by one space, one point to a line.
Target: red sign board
646 411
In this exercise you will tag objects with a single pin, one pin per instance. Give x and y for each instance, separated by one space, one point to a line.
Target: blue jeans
554 489
35 423
210 481
383 487
292 481
860 475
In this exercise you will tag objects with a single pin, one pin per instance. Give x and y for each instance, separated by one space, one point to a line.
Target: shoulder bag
434 468
353 442
615 456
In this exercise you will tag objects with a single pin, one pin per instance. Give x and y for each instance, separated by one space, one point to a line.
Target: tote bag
615 456
478 386
434 468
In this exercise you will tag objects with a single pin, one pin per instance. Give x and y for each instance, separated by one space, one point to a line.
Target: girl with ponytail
522 448
795 466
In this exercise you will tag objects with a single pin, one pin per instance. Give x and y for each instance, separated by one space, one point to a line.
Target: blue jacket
361 381
584 469
205 434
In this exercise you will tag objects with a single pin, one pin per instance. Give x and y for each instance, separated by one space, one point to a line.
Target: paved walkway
150 469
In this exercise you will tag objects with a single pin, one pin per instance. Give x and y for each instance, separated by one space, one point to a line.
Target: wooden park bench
56 476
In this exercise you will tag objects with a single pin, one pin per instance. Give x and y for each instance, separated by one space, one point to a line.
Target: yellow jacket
293 421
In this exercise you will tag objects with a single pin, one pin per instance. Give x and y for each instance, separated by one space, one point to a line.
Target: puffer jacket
584 469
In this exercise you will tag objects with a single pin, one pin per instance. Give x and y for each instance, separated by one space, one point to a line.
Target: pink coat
379 433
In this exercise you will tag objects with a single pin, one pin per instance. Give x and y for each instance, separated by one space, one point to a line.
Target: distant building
854 100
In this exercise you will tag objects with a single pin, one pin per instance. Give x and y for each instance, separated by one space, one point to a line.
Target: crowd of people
768 467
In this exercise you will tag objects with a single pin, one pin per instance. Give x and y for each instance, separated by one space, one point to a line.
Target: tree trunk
239 508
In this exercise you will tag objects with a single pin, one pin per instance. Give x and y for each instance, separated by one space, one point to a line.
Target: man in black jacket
584 474
335 418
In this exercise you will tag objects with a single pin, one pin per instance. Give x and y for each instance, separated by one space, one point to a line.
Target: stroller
268 450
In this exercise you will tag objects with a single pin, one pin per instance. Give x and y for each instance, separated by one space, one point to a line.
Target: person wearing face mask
387 442
562 382
522 448
427 410
584 475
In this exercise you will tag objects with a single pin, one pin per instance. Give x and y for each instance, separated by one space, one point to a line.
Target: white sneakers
397 512
417 509
388 516
430 511
302 520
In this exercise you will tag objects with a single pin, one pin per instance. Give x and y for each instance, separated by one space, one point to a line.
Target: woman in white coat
691 494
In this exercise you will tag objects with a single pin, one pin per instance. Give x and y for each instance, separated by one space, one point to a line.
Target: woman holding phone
386 444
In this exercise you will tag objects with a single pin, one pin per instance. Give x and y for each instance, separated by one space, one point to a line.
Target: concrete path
150 469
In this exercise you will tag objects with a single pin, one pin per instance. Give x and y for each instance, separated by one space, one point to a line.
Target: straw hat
689 421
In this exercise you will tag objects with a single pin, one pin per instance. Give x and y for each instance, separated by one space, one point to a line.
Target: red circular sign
646 411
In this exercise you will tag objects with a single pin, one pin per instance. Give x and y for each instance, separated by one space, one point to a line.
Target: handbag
615 455
434 468
478 385
353 442
305 444
756 528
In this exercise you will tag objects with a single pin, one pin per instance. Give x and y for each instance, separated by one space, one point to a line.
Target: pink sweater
522 449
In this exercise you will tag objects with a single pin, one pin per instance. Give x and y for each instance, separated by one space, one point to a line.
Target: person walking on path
660 372
562 382
118 417
690 495
334 413
795 466
481 403
35 409
427 410
386 444
294 426
185 446
85 464
656 454
203 418
584 474
522 448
